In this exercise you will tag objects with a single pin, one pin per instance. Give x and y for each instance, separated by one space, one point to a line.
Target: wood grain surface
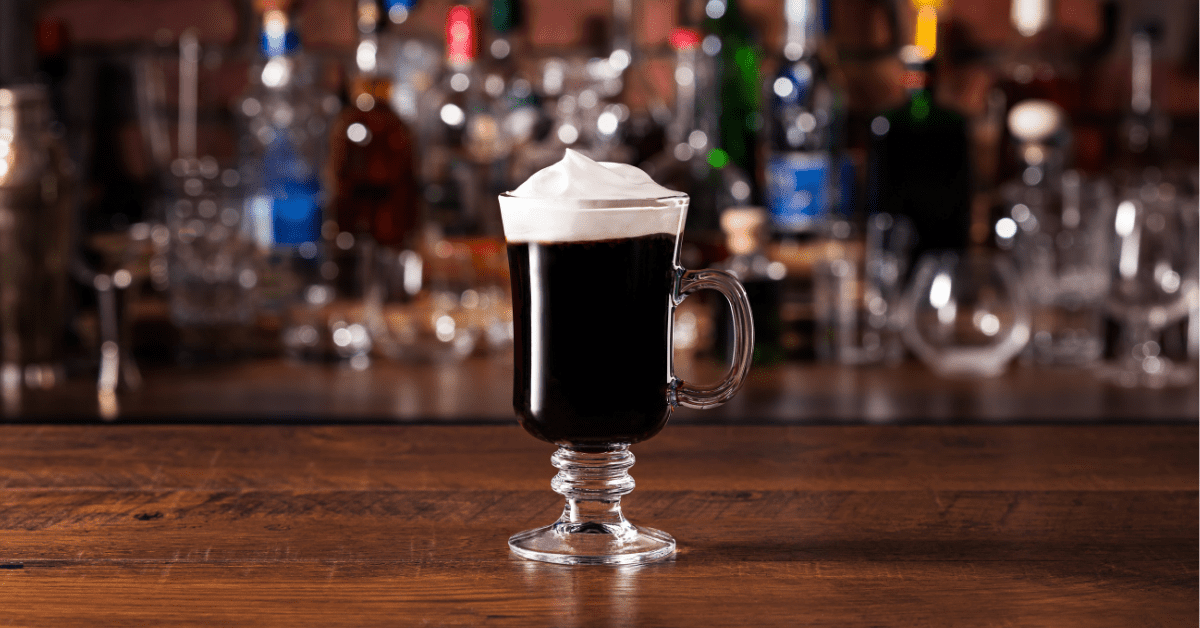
777 526
273 391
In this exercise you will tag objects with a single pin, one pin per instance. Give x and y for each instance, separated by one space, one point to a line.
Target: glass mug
593 365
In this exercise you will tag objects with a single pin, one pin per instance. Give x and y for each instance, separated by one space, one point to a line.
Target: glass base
592 529
1148 372
592 544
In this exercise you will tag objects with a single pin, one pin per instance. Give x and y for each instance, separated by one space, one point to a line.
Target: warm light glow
1125 226
1030 16
276 72
1006 228
782 87
715 9
365 56
684 38
368 16
987 323
1126 219
619 60
1035 120
452 114
939 291
356 133
607 123
926 32
275 24
568 134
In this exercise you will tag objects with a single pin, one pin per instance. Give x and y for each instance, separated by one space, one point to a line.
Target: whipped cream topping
578 200
578 177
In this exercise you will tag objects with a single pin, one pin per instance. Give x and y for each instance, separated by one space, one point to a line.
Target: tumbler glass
858 288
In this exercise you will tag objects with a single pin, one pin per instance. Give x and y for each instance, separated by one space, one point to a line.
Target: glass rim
591 204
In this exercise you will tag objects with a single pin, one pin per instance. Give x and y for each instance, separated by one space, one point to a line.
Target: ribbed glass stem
593 484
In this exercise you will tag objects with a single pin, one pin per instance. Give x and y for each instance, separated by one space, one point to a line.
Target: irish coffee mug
595 285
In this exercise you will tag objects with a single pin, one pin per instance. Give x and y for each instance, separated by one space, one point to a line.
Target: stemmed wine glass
1153 282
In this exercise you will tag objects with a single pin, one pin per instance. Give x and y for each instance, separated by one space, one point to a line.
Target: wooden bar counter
778 525
480 390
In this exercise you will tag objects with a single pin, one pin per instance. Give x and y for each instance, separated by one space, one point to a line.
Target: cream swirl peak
577 200
578 177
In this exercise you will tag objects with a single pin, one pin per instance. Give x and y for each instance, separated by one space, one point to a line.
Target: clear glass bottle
464 146
513 101
1145 130
802 115
1036 66
412 56
690 161
36 177
285 145
801 131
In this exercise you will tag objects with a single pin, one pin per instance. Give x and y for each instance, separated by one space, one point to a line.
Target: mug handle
688 395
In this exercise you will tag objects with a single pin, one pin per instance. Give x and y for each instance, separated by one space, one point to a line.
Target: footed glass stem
592 529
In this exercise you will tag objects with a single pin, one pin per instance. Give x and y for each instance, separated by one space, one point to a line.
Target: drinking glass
1058 242
1153 282
858 286
966 313
423 305
593 361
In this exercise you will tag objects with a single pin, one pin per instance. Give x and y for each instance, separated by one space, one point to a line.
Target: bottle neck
277 38
686 43
504 39
621 56
805 29
366 55
1141 54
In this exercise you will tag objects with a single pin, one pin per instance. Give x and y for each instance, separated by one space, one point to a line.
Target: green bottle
920 162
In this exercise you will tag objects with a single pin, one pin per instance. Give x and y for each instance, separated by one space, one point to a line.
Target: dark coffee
592 323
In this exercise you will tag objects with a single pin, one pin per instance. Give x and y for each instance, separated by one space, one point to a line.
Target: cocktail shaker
35 240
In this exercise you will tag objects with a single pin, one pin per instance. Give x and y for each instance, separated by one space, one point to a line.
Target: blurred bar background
202 195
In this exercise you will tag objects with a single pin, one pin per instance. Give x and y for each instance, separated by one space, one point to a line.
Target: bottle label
296 214
798 190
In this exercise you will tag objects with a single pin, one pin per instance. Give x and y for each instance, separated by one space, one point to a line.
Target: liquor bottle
412 56
802 114
18 62
286 119
919 160
1035 67
463 144
737 67
690 161
287 123
510 93
1145 130
372 151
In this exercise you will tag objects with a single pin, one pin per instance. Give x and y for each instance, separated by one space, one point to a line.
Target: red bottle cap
684 38
460 35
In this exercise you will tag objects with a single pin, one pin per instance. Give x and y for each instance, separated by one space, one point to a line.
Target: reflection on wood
481 390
